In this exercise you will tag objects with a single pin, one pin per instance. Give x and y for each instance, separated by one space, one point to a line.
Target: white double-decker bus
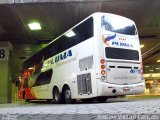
96 59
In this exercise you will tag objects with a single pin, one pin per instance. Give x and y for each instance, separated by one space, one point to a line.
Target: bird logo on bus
108 38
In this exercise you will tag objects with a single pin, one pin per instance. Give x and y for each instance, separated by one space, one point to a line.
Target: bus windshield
118 25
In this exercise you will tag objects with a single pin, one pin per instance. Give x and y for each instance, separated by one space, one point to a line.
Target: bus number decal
2 53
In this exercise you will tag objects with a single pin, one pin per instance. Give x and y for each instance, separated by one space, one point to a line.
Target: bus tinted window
118 25
44 78
119 53
82 32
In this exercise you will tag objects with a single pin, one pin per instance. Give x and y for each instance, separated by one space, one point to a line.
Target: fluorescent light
70 34
30 68
34 26
141 46
151 70
157 68
146 66
158 60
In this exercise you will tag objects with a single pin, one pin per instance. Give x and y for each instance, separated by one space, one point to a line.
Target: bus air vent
84 84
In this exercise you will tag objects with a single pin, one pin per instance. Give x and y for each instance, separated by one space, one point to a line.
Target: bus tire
67 95
56 96
101 99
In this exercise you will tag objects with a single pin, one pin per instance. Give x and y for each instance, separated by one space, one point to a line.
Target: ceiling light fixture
158 60
146 66
70 34
141 46
31 68
34 26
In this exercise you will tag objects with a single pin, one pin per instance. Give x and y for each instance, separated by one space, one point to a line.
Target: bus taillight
102 66
103 72
102 61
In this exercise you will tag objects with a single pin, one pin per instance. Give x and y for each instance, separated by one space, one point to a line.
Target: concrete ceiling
56 16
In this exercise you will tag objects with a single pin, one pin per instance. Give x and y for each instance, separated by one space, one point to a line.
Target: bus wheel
102 99
67 95
56 96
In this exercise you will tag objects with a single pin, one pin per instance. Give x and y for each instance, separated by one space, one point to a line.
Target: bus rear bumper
107 89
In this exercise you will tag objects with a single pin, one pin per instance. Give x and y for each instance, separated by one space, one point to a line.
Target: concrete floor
112 110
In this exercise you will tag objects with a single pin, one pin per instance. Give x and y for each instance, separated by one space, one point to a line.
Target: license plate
126 89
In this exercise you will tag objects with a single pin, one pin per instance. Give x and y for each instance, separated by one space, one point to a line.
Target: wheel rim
56 96
68 94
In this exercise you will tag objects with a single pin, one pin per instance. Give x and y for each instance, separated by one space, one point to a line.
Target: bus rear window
119 53
118 25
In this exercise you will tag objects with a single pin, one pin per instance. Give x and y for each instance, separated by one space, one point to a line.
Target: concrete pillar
5 72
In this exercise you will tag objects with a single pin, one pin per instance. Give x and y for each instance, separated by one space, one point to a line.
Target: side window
85 30
44 78
82 32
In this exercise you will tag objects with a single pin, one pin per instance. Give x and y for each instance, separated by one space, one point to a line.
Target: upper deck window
118 25
77 35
